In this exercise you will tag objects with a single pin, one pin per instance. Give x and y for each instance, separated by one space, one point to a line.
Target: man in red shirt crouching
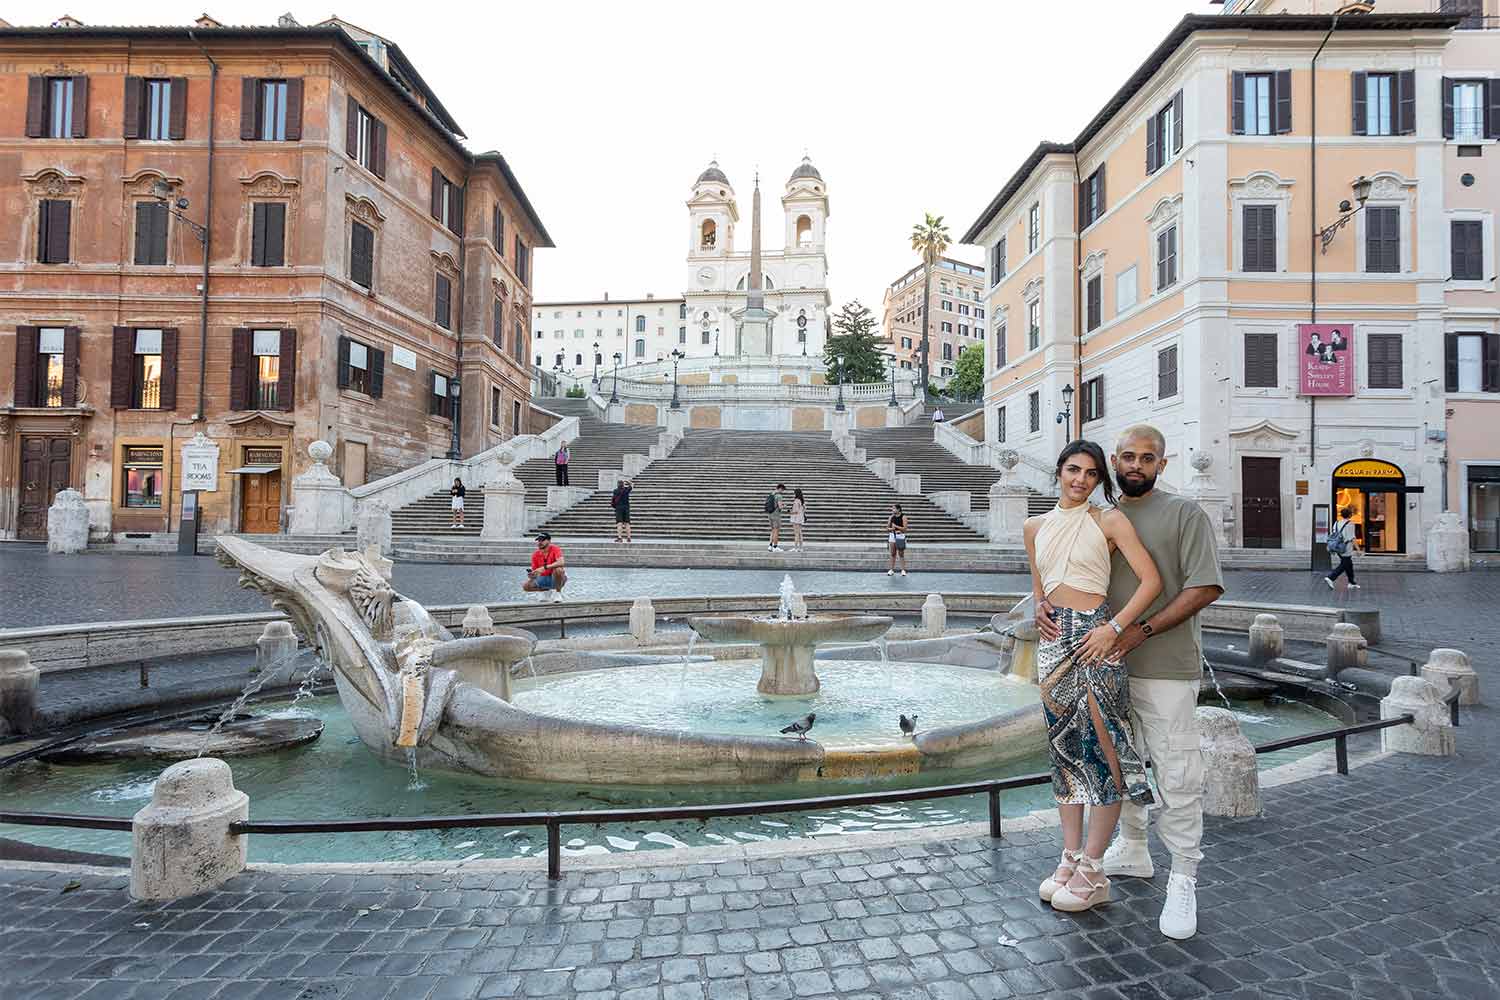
547 572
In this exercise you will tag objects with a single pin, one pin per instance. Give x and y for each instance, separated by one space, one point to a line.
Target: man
547 571
1164 651
773 513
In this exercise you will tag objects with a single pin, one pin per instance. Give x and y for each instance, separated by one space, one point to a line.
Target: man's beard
1135 487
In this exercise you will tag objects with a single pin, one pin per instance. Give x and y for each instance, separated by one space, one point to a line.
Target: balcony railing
762 391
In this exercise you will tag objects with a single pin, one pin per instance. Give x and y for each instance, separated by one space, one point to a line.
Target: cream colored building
1162 261
957 310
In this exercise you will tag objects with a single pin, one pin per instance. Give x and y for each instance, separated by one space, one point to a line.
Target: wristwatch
1146 629
1116 626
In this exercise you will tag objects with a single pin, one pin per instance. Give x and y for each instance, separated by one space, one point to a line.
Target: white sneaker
1179 916
890 572
903 572
1329 582
556 597
1128 857
1353 586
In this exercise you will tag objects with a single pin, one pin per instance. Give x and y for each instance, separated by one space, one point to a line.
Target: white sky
607 111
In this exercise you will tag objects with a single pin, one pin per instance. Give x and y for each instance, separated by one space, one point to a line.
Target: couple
1107 582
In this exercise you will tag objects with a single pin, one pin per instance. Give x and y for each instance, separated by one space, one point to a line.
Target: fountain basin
486 661
184 739
788 644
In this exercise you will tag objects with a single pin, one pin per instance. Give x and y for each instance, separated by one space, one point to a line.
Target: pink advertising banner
1325 358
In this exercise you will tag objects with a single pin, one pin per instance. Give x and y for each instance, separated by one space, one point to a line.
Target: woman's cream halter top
1071 550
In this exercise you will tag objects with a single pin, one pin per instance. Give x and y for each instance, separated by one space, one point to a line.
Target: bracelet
1116 626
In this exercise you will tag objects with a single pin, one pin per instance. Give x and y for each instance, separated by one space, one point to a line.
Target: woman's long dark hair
1092 450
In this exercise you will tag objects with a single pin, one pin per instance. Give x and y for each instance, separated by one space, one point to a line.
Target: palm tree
929 238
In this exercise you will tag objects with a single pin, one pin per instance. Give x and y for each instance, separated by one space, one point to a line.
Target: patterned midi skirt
1080 770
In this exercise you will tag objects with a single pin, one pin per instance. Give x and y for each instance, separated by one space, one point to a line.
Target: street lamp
1362 185
838 407
162 192
1066 416
454 409
892 360
676 357
595 378
716 342
614 392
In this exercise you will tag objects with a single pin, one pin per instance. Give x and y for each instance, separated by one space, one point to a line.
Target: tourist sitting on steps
547 572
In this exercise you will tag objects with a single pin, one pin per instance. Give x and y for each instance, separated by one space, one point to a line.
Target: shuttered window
364 138
497 229
150 232
1000 348
1383 240
361 368
447 203
155 108
518 342
54 230
1384 103
268 234
1471 109
1166 372
1468 250
1034 405
523 261
46 372
1092 403
143 373
497 325
997 261
1166 258
1260 361
362 255
1261 103
1091 198
442 307
1094 296
1383 351
1164 134
57 107
1471 362
1259 237
1033 228
438 402
270 110
1000 425
1033 325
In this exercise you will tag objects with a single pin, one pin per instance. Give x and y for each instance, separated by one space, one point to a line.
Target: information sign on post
200 465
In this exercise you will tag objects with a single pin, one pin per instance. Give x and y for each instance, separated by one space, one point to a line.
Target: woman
457 493
1342 539
620 501
1085 697
799 518
895 538
561 458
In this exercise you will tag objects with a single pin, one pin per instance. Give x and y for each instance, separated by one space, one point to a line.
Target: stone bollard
1432 731
372 525
1451 667
1007 515
477 622
934 615
1448 544
68 524
504 510
275 647
18 685
643 620
182 844
1231 785
1267 639
1346 648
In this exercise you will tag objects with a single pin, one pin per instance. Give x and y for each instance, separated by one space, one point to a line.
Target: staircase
599 446
714 486
916 452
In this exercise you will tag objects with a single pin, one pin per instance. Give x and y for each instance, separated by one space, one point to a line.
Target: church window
804 231
640 348
710 234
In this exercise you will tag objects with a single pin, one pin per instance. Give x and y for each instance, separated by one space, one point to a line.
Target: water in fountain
687 658
305 689
416 784
788 591
251 689
529 666
885 658
1215 681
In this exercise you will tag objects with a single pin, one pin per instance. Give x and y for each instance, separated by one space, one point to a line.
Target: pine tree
854 339
968 374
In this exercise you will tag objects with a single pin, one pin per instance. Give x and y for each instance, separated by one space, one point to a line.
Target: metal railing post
1341 753
994 796
554 849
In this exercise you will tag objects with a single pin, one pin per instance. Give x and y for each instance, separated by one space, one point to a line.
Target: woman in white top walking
799 518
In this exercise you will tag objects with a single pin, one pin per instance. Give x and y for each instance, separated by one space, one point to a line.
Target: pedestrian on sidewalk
937 415
895 539
798 519
1167 672
561 458
620 501
547 573
1343 539
456 491
773 514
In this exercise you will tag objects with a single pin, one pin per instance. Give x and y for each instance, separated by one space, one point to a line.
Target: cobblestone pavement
1379 884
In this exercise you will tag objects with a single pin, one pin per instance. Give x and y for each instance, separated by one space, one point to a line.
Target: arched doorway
1375 492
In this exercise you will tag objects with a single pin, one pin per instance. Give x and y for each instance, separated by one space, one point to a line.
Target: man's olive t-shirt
1180 539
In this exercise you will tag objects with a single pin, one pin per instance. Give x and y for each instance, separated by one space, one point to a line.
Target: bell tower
712 214
805 206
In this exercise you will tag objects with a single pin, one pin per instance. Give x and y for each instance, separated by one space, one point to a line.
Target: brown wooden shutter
134 86
121 363
27 345
1492 108
36 103
70 366
1153 156
1385 369
377 373
1260 360
443 306
294 110
1176 123
249 108
1357 100
286 371
456 204
1281 92
275 234
258 214
80 123
497 322
1102 203
240 345
1237 103
177 120
57 227
351 128
1095 309
1447 108
169 368
379 158
1099 397
343 362
1491 358
434 404
1406 102
437 194
1450 362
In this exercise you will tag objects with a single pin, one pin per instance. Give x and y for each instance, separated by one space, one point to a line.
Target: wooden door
260 503
46 470
1260 487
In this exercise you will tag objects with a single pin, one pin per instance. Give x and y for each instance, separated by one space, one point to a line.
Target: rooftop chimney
287 21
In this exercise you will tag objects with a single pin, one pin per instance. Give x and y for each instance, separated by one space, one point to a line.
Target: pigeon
908 725
802 725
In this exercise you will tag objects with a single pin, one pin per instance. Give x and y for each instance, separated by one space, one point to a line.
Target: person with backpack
799 518
895 528
561 459
773 514
620 501
1342 541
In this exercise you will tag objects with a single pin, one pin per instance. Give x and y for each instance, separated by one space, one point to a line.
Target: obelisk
755 321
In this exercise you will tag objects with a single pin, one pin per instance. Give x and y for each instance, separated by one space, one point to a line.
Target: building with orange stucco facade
1163 265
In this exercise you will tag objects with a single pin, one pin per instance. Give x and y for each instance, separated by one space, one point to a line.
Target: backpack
1338 542
772 504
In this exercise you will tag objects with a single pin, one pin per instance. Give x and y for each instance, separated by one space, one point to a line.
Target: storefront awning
254 470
